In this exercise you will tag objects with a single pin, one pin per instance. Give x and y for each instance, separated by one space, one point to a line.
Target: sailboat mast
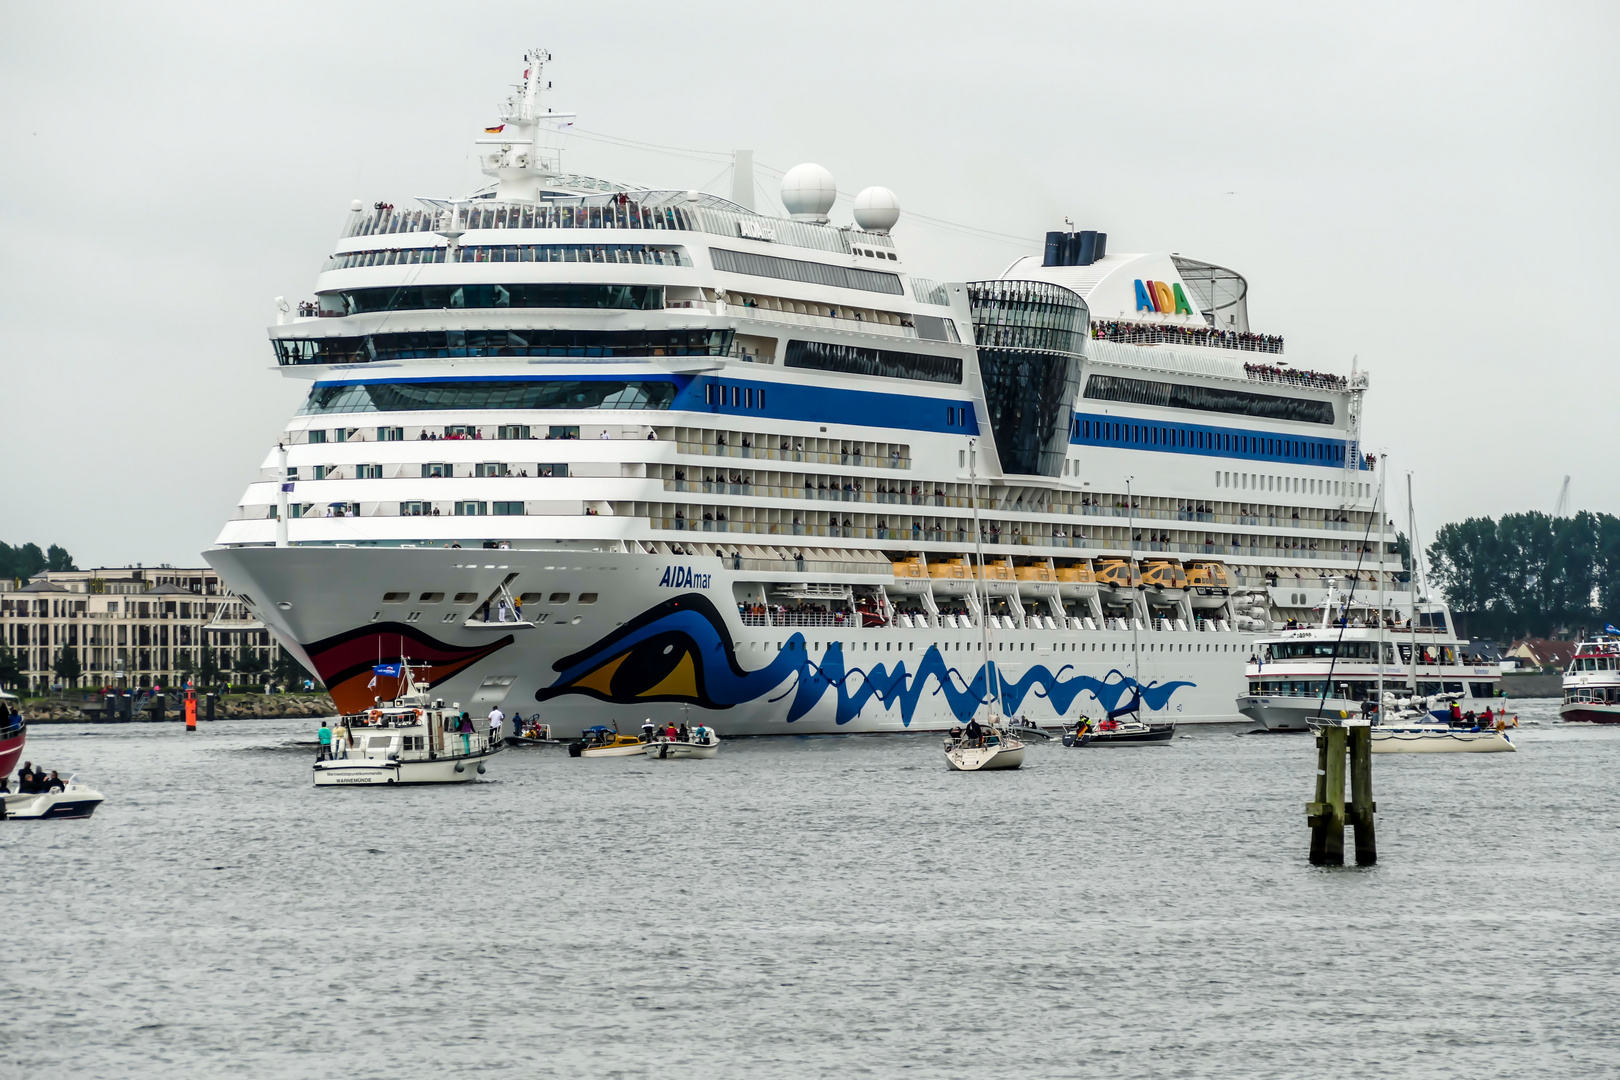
1412 574
1383 623
981 588
1130 530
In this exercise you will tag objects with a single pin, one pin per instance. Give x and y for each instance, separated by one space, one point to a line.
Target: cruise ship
606 452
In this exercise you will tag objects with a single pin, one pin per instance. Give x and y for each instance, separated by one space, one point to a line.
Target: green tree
208 667
247 661
287 670
57 558
10 671
67 666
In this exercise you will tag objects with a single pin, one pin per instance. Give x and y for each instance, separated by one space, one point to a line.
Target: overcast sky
1428 187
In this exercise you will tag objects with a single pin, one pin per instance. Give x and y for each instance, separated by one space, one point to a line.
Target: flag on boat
496 130
1608 628
391 670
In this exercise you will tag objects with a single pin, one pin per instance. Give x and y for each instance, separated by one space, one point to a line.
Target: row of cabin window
1205 439
740 397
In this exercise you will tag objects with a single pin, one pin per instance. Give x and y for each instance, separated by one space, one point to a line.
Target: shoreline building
130 627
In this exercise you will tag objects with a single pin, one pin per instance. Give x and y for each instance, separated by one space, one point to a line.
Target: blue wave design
724 683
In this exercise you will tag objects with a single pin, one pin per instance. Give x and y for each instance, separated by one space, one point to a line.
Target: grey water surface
839 906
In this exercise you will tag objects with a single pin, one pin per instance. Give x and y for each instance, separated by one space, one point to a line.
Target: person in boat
326 743
52 783
685 737
670 732
974 733
647 730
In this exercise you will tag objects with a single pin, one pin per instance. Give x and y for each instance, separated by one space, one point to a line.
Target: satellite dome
876 209
808 192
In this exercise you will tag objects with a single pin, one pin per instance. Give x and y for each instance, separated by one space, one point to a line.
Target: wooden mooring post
1330 812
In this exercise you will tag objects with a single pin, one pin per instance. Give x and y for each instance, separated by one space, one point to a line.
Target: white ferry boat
1335 671
626 452
1592 682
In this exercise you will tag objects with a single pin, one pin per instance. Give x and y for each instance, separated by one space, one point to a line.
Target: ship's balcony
894 460
875 326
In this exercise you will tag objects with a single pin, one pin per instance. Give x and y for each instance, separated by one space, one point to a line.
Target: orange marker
191 710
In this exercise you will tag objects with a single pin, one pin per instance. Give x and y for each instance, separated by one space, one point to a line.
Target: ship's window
531 295
431 598
390 434
558 598
529 597
429 344
843 277
471 509
622 394
887 363
587 598
396 597
507 509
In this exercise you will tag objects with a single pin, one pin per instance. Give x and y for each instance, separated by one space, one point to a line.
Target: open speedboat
1121 727
602 741
701 743
75 800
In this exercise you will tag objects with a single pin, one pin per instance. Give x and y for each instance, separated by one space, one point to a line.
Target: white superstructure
611 452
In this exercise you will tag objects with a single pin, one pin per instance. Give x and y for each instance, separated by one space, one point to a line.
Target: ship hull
619 638
1590 712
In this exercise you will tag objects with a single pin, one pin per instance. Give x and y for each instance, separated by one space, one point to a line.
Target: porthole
396 597
587 598
432 598
558 598
466 598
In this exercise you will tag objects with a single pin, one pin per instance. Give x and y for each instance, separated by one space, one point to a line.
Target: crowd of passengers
1296 377
1131 333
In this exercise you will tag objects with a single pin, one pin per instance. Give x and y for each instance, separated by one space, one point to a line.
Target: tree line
1529 575
26 560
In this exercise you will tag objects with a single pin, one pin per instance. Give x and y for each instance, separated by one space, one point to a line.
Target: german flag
496 130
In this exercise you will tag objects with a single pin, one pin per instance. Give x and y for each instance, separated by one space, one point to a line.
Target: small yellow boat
602 741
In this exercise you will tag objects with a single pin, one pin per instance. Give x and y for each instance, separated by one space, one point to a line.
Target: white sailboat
991 745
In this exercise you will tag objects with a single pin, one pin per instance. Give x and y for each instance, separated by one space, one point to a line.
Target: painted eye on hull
661 668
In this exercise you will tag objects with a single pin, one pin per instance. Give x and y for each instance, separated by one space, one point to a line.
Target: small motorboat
75 800
602 741
1024 728
701 742
979 748
533 735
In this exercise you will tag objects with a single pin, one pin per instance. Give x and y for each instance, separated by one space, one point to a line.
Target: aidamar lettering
682 577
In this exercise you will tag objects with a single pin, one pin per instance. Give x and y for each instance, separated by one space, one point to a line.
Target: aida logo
1160 297
682 577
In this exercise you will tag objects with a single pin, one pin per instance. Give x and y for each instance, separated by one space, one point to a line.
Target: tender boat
701 743
602 741
75 800
410 740
1592 682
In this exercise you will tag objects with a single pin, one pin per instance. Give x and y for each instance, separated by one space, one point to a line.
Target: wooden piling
1330 811
1361 797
